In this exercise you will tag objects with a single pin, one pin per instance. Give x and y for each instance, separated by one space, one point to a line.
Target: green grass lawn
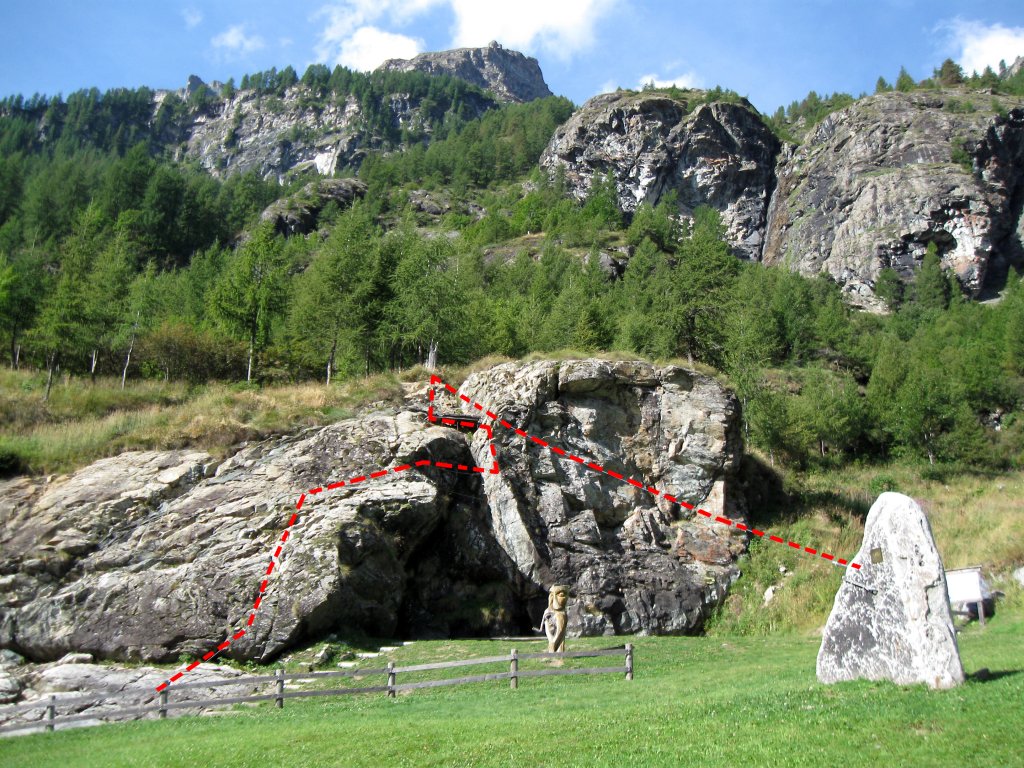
695 701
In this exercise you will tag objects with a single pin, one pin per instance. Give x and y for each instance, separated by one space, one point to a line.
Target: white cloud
193 17
977 45
608 86
562 27
343 20
684 80
368 47
235 40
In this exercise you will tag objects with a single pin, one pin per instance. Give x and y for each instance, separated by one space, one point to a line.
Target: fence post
163 703
513 672
629 661
981 612
391 679
51 712
280 688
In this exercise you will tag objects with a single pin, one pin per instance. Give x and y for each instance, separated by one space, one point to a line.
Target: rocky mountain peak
510 75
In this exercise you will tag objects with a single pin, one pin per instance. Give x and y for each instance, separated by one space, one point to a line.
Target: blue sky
773 52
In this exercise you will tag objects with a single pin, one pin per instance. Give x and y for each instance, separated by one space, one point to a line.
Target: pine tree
251 292
904 82
931 288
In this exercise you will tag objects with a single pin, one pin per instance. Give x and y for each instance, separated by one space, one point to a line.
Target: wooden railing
144 702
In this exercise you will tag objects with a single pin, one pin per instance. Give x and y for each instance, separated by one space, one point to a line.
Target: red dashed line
434 381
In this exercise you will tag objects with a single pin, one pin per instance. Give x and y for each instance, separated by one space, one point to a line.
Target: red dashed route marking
275 557
434 381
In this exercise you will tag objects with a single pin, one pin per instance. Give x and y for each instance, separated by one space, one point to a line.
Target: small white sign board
966 585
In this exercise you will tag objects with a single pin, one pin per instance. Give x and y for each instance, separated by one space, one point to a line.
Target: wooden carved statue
553 620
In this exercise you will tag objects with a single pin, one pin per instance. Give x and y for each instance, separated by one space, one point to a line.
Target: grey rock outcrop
300 213
153 573
636 562
508 74
876 182
77 686
891 618
148 556
720 155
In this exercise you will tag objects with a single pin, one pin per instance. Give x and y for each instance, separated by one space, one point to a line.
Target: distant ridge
510 75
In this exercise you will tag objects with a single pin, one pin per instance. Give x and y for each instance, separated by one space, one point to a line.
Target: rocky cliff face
718 154
276 136
509 75
875 183
295 132
148 556
870 188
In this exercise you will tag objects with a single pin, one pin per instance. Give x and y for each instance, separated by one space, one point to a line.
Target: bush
882 484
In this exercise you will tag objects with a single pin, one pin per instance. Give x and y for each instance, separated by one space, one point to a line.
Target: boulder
635 562
149 556
300 213
891 619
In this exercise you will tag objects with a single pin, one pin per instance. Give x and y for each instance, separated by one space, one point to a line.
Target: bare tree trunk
92 366
49 376
330 362
432 356
252 351
127 361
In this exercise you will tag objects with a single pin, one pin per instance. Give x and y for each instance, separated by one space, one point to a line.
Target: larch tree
250 294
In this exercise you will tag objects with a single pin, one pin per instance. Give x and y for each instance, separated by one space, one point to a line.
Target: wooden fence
160 704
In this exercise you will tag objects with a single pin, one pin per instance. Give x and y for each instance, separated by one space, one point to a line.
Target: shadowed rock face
721 155
147 556
891 618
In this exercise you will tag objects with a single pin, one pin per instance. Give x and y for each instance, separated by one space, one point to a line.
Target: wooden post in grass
280 688
391 679
51 712
629 661
513 670
163 704
981 612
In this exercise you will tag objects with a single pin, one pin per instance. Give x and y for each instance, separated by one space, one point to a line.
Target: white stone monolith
891 618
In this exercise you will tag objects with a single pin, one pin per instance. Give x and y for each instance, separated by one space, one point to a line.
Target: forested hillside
117 261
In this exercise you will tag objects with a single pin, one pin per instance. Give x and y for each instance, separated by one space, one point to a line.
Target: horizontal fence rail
143 701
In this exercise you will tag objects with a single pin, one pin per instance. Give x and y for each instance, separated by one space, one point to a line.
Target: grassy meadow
730 701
